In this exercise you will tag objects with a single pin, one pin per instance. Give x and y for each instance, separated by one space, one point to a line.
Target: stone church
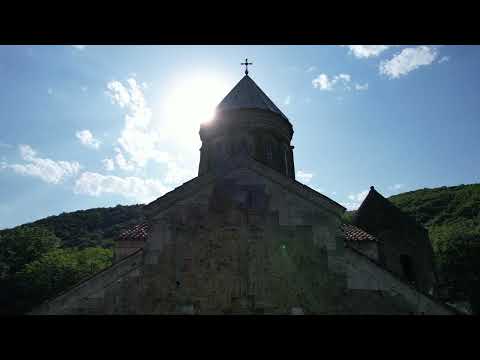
244 237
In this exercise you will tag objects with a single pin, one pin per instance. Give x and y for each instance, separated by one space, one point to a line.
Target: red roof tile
135 233
353 233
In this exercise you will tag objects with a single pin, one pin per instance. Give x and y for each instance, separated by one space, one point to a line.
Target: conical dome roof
247 95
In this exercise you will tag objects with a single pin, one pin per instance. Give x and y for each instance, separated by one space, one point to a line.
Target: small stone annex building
244 237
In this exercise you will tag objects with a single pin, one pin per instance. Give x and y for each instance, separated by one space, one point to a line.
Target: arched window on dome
407 268
269 151
285 154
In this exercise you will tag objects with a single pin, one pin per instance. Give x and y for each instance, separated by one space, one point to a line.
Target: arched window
269 151
228 148
286 161
407 268
243 145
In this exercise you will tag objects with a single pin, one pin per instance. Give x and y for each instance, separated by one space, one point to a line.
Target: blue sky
96 126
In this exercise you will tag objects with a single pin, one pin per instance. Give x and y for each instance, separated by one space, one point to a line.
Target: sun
193 99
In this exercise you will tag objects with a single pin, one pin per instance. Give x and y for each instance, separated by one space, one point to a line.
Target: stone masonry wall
377 285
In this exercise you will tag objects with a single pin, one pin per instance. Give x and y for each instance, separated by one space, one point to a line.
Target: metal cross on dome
246 63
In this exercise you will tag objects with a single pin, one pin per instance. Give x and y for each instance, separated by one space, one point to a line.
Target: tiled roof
135 233
248 95
353 233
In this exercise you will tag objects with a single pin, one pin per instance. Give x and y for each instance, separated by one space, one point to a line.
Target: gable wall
372 283
398 235
219 250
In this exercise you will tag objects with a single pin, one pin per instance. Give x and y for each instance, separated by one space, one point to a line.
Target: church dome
248 95
247 121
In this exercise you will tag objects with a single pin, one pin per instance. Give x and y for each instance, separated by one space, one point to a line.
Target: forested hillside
93 227
41 259
452 217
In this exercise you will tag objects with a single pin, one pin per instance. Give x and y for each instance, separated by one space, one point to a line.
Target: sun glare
193 99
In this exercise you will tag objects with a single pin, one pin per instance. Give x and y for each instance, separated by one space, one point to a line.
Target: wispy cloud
363 87
341 81
133 188
108 164
80 47
396 186
50 91
138 139
287 100
123 163
444 59
304 176
86 138
141 139
311 68
48 170
118 93
355 200
366 51
395 189
323 82
408 60
359 196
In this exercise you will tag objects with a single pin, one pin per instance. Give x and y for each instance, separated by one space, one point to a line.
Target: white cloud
141 140
396 187
304 176
350 205
118 93
444 59
358 197
344 77
408 60
287 101
366 51
323 82
133 188
363 87
122 163
48 170
109 164
311 68
177 174
80 47
87 139
355 200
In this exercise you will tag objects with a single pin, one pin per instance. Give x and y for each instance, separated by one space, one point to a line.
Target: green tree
58 270
24 244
